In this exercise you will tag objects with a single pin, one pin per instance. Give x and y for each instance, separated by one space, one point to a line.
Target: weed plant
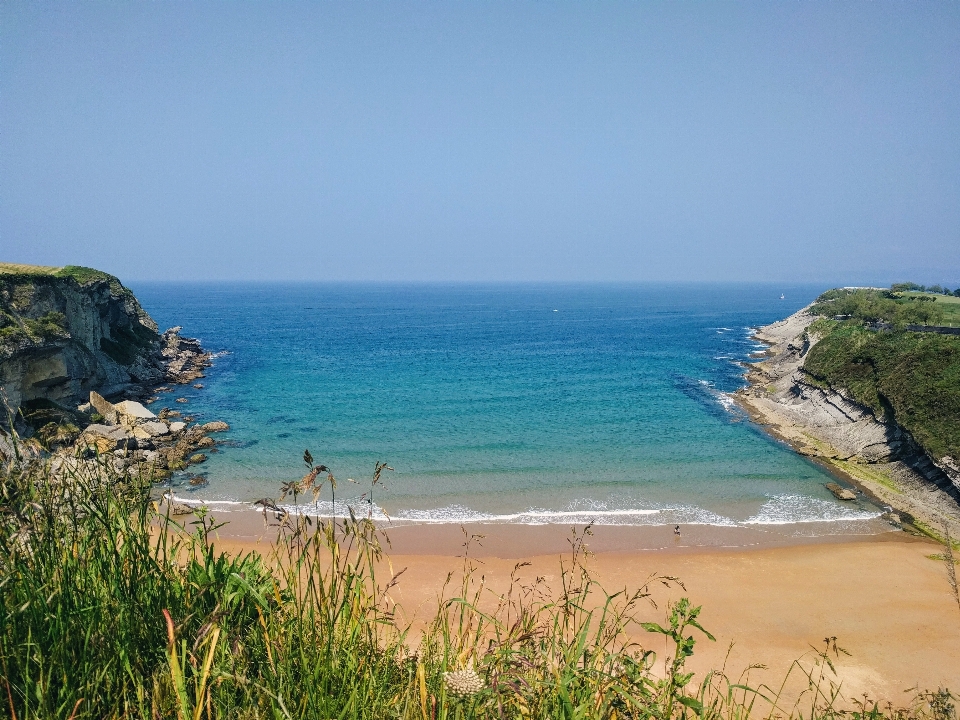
111 609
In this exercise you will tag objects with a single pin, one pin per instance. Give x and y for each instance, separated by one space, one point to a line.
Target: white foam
725 400
790 509
778 510
197 502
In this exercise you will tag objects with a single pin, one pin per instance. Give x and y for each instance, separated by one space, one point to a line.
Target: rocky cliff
826 423
65 332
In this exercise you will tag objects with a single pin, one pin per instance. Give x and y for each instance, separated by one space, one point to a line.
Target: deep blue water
528 403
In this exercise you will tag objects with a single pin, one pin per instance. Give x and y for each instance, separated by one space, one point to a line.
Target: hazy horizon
497 142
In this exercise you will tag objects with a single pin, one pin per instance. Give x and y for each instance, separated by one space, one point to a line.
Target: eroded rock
103 407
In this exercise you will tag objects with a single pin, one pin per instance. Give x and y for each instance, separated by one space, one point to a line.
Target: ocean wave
791 509
778 510
725 400
531 516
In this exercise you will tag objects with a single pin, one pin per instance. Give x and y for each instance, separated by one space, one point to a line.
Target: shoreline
518 540
246 523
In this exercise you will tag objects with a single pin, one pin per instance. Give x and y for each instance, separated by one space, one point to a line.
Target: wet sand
772 594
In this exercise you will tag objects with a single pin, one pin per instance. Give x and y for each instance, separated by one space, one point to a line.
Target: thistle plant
463 683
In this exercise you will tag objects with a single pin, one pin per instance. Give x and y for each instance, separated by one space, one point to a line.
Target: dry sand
887 603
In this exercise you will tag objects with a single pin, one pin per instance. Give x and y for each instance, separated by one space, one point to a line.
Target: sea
513 403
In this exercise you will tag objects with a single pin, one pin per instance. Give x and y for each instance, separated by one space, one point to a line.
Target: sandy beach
885 600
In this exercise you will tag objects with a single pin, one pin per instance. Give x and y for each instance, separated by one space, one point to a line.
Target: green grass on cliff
908 377
873 305
18 269
83 275
111 610
948 304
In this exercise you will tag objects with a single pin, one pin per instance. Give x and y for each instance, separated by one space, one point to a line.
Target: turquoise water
513 403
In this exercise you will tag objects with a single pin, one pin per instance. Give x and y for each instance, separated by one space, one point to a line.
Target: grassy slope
17 269
82 275
911 378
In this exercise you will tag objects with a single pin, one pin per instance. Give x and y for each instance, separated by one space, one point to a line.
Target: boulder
206 442
215 426
177 427
141 434
155 428
105 438
133 410
197 459
103 407
841 493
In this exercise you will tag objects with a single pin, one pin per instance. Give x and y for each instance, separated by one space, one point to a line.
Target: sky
483 141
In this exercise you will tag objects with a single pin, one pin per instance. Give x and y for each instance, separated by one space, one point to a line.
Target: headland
880 424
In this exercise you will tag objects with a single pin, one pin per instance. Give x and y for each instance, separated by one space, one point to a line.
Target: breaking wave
778 510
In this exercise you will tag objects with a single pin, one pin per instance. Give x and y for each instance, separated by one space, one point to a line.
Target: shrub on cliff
878 306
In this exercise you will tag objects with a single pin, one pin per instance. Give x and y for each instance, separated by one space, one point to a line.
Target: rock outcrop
65 332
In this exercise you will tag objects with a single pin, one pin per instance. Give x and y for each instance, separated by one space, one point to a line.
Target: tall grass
112 609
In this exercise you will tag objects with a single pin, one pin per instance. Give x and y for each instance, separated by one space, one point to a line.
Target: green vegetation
900 306
55 425
911 378
83 275
17 269
878 306
110 609
949 305
50 326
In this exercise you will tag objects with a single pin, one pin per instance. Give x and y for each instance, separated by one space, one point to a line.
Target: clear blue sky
789 141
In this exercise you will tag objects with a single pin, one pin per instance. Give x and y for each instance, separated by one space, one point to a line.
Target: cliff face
67 331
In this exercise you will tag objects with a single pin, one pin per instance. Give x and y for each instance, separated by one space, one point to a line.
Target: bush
878 306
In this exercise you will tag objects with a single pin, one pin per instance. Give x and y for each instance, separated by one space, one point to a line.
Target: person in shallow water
676 530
